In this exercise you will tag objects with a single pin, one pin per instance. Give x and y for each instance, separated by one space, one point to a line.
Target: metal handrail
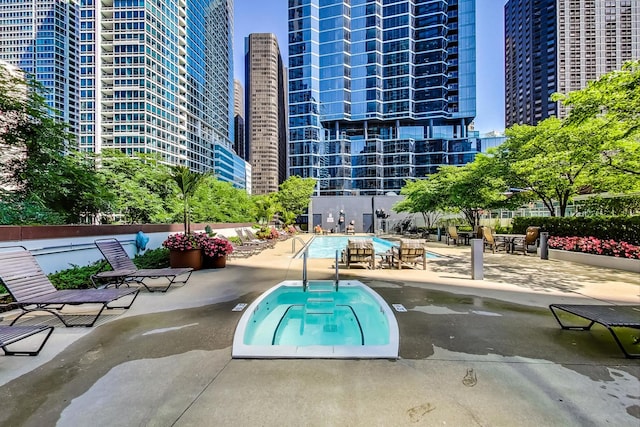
293 244
337 279
305 282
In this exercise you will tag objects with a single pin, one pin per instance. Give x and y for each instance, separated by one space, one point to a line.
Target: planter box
605 261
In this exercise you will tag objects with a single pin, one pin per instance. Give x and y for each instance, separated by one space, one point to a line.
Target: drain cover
399 308
330 328
239 307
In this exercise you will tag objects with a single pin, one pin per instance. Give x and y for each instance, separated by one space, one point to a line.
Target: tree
468 189
219 201
142 192
613 101
39 162
266 207
474 187
188 182
554 162
295 194
423 196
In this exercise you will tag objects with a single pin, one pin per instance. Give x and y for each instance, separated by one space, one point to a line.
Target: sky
270 16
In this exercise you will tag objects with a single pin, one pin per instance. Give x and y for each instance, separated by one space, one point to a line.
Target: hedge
618 228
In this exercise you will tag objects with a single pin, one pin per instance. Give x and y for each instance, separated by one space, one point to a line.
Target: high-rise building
379 91
41 38
266 113
158 78
561 45
239 143
134 78
238 98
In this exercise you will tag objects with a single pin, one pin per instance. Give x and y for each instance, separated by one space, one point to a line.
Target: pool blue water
326 246
320 316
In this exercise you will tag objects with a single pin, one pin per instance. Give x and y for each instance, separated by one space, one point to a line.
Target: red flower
594 245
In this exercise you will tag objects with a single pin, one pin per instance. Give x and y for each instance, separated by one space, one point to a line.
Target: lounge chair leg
626 353
48 331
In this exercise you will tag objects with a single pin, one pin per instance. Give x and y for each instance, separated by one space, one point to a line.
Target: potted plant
215 251
184 248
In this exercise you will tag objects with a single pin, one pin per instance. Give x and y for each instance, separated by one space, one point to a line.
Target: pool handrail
293 244
305 281
337 279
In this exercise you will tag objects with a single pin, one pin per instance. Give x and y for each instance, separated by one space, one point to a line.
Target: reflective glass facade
41 38
379 91
561 45
157 77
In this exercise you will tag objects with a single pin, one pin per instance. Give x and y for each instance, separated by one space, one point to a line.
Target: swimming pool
289 322
326 246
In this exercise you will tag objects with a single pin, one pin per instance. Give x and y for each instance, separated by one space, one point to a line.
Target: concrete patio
472 352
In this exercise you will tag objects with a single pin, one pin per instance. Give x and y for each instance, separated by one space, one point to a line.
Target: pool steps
320 306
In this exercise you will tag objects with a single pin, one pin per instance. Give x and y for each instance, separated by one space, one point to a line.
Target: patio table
466 235
509 240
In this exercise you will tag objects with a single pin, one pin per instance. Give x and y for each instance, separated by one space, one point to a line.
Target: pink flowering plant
216 247
181 242
593 245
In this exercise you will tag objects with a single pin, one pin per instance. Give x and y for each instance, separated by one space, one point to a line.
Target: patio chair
125 271
412 252
32 291
490 241
523 243
452 234
12 334
351 229
359 251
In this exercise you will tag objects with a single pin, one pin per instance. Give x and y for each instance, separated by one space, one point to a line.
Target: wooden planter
191 258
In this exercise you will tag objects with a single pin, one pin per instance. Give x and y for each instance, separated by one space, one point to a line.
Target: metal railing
305 281
337 279
293 243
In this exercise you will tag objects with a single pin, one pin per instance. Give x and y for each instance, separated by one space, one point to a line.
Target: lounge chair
412 252
452 234
612 317
359 251
241 251
490 241
253 241
32 291
270 243
523 243
125 271
12 334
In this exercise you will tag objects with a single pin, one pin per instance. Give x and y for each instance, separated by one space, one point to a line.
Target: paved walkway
484 352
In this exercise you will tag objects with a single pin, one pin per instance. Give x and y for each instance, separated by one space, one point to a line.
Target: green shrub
235 240
77 277
618 228
153 258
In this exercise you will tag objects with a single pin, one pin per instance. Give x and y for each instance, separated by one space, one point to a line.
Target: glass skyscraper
561 45
157 77
41 38
380 91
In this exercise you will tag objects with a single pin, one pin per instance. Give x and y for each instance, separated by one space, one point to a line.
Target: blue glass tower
380 91
41 38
